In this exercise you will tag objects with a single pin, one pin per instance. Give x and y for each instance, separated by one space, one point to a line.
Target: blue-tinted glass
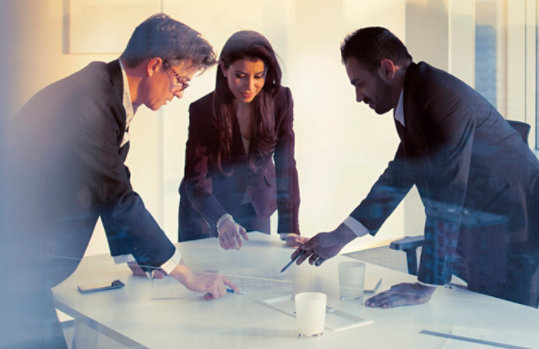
486 62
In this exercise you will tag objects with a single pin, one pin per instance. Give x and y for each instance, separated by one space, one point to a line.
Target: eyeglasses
179 80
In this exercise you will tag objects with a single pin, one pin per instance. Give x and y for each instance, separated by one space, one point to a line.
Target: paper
169 288
255 281
245 280
336 320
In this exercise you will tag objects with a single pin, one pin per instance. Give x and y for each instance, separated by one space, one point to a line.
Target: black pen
292 261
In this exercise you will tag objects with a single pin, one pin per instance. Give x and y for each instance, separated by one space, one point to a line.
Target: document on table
246 280
336 320
478 338
169 288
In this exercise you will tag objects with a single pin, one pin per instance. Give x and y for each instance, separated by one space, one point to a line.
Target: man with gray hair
68 145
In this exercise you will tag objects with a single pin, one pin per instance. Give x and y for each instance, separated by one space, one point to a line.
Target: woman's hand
230 234
295 240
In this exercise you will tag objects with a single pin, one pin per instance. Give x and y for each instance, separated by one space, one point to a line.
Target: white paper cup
310 313
351 280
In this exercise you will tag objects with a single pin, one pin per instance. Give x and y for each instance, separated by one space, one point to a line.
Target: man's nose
179 94
359 96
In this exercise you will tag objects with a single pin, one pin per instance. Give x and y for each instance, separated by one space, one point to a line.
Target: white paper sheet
336 319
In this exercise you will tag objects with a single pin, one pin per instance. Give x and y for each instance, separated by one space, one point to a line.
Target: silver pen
231 290
292 261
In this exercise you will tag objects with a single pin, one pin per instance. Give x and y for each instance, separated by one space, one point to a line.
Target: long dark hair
246 45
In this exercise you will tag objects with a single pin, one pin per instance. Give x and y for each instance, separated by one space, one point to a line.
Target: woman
231 184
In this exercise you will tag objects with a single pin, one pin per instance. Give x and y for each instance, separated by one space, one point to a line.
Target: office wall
342 146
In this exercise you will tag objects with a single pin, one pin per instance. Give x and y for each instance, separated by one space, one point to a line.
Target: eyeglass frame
179 80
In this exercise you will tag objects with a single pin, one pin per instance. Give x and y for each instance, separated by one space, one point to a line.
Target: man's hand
295 240
401 294
324 245
230 234
137 271
213 284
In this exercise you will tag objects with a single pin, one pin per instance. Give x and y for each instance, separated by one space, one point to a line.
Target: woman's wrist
222 220
283 236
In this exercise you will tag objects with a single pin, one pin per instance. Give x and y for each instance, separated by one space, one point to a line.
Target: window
488 53
507 59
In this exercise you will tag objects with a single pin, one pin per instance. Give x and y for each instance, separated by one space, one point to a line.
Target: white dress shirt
350 222
169 265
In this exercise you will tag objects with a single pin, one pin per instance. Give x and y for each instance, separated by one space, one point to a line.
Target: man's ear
154 65
387 70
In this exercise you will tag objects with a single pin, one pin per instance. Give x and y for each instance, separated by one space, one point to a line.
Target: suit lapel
116 79
413 138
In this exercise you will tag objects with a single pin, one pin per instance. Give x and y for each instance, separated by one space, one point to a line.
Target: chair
409 244
522 128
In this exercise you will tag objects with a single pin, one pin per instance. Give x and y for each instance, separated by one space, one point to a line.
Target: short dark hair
371 45
164 37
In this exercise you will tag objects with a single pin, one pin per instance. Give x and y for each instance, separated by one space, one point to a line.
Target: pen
292 261
230 290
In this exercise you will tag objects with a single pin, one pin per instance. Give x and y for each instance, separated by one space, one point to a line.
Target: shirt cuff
355 226
221 220
430 285
123 258
169 265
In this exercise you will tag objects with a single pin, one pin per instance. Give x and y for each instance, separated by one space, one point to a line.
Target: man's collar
399 110
126 102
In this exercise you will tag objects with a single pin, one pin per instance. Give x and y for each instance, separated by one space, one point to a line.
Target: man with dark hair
65 169
478 180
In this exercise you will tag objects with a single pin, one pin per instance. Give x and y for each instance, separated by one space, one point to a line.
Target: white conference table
136 316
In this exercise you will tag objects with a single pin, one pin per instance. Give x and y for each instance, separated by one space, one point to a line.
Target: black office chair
522 128
409 244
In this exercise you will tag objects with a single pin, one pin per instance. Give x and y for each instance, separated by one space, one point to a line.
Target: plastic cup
310 313
351 280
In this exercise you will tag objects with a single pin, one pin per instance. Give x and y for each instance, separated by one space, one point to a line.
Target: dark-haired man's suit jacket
207 194
478 181
65 170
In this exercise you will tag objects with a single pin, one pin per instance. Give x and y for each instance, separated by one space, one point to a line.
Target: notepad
336 319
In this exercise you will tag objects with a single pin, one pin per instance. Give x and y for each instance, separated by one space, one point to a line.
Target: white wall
341 146
335 137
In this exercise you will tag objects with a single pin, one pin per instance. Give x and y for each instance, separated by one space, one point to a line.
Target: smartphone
100 286
371 284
